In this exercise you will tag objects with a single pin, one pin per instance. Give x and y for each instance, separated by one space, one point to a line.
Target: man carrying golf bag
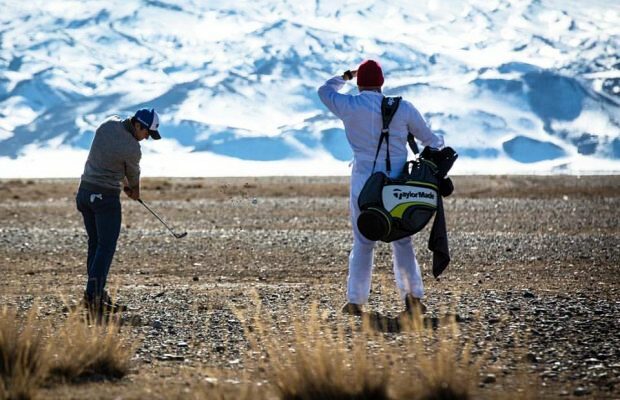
361 115
114 157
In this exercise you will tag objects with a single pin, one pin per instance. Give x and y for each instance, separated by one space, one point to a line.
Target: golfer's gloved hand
133 194
349 74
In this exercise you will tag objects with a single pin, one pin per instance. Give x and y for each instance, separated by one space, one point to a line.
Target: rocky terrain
534 275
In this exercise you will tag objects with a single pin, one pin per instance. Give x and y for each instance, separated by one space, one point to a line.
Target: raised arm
328 93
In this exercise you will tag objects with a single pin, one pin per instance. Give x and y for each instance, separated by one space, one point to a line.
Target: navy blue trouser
102 219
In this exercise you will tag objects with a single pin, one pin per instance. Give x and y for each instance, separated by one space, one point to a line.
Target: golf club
176 235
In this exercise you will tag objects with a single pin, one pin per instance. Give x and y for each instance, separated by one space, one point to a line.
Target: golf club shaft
157 216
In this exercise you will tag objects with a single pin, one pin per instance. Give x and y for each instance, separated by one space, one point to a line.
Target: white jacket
361 115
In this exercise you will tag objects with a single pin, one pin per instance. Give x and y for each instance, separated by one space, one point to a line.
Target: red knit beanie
369 74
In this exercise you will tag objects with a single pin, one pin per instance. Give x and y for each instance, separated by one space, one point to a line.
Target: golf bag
395 208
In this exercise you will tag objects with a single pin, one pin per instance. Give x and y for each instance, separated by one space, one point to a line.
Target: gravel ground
534 277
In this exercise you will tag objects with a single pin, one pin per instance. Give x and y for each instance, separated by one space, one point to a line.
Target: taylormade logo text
399 194
394 196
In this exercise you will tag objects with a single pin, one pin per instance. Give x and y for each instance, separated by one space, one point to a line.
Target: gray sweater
114 154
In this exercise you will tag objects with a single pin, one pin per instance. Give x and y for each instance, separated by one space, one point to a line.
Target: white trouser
406 269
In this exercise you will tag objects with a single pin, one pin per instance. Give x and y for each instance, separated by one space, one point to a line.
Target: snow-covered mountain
525 86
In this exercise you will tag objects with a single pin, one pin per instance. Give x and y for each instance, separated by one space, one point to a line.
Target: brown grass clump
441 365
323 364
22 356
317 358
82 351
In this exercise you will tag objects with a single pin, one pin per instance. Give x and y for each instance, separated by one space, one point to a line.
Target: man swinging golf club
361 115
114 157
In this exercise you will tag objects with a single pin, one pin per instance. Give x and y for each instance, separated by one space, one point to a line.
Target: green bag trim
399 210
429 162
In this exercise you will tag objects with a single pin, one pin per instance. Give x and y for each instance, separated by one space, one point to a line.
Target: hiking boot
110 305
413 306
103 304
353 309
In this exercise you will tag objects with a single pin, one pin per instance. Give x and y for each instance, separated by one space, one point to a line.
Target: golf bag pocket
374 222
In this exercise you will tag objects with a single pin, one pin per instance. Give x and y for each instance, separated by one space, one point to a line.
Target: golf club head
180 235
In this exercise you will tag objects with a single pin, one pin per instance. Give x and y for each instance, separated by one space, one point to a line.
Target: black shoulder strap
412 144
389 105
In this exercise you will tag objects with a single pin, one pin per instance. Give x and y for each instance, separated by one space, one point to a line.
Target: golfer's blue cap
150 119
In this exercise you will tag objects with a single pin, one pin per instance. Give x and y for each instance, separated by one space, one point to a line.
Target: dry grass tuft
22 356
445 371
83 351
314 359
321 366
317 358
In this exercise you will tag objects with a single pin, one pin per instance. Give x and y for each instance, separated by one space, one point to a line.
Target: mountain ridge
528 87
